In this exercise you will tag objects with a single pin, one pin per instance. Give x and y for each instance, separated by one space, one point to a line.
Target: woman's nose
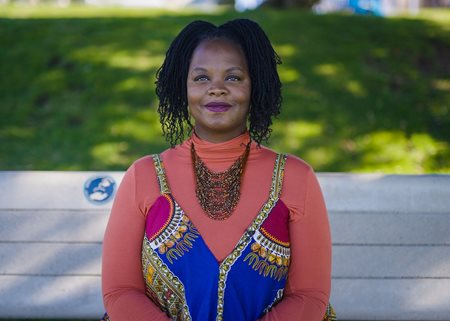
217 89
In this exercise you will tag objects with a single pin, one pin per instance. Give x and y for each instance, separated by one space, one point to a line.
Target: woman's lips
218 107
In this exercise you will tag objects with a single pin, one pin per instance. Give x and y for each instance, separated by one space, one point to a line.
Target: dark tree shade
291 3
227 2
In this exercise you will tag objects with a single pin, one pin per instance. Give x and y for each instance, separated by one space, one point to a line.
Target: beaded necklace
218 193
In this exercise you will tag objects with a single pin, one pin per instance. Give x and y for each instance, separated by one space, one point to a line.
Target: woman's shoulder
144 168
295 165
141 177
143 164
141 173
146 162
299 178
298 166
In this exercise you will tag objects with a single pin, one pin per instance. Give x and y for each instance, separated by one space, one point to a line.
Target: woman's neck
219 136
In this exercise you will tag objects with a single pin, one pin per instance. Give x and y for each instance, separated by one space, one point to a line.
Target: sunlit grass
360 94
288 74
24 11
326 70
440 15
138 62
383 151
291 135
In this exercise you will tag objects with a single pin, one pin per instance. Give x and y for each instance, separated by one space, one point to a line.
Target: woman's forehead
218 51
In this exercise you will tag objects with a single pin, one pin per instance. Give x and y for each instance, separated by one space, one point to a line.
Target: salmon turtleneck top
307 290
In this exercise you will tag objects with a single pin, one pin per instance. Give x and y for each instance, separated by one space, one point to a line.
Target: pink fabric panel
277 223
158 217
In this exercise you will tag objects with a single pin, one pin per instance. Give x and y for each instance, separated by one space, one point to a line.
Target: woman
218 227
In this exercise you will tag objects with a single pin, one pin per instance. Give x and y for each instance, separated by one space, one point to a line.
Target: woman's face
218 90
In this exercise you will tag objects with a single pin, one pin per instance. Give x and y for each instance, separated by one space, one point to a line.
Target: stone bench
391 244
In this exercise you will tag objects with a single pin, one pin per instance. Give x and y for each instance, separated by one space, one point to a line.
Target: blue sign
99 189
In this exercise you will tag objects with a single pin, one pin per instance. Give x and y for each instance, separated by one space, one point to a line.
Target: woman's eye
233 78
201 78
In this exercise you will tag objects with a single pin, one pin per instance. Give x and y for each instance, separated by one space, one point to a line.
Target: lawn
361 94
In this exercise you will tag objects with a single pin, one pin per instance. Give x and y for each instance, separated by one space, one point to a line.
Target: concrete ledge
386 193
49 190
391 245
53 297
391 299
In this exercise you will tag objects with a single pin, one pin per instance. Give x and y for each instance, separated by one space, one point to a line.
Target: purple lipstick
218 107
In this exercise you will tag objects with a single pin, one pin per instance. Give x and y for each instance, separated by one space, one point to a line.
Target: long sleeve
307 291
122 281
309 282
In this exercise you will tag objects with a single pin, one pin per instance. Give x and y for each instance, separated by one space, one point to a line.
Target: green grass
361 94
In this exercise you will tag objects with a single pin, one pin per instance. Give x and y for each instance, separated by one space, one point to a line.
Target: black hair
262 61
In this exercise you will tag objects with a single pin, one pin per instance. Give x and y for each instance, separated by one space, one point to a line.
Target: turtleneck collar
224 152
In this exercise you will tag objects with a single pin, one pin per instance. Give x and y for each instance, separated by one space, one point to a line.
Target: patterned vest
184 278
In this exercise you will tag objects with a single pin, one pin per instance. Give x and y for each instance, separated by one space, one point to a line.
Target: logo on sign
99 189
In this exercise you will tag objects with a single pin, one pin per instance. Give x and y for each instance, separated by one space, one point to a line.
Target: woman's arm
122 281
309 282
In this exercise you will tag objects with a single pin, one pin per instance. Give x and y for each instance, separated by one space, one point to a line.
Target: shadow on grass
360 93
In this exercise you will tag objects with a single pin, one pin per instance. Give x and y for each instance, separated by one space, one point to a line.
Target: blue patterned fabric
185 280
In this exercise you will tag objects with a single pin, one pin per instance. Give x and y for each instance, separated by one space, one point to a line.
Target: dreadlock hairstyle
262 61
